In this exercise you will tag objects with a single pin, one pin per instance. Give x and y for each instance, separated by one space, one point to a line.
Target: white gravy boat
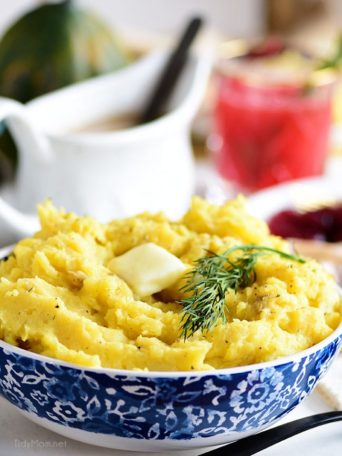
110 174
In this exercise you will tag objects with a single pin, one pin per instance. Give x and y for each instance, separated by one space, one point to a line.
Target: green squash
51 46
55 45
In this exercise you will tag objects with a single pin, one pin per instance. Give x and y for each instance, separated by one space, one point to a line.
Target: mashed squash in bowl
75 292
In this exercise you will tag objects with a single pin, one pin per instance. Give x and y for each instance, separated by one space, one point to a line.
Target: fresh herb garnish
210 280
335 61
325 70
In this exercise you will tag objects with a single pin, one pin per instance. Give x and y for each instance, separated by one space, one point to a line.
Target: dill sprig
210 280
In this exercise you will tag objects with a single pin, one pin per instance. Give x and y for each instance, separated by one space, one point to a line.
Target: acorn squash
54 45
51 46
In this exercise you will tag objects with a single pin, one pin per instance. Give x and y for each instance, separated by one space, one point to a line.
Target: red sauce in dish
323 224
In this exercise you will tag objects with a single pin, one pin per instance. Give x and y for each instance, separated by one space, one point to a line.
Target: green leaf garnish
335 61
210 280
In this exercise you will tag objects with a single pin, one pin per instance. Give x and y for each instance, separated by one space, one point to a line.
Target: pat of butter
148 268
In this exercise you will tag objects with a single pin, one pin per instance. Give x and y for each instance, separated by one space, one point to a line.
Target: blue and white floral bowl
154 411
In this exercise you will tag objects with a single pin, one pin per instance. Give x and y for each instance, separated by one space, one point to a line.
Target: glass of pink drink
270 130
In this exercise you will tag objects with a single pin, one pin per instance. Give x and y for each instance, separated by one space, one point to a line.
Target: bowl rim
269 201
336 334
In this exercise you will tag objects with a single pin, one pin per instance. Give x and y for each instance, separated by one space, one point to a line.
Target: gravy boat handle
27 138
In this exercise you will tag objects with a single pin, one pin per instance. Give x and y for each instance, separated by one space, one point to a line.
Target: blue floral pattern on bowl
178 407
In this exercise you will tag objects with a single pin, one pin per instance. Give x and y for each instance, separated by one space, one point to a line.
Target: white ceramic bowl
296 194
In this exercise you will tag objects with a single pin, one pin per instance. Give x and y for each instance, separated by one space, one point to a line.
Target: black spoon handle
258 442
171 72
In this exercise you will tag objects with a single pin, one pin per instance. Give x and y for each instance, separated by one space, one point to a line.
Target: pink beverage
270 132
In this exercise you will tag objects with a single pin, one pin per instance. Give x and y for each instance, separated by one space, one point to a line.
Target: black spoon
258 442
171 72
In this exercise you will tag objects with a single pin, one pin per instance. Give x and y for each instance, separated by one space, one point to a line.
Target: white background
231 17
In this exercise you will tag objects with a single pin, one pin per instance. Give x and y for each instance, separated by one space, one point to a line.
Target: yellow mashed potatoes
59 298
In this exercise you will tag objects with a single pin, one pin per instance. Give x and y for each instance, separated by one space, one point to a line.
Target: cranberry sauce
322 224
